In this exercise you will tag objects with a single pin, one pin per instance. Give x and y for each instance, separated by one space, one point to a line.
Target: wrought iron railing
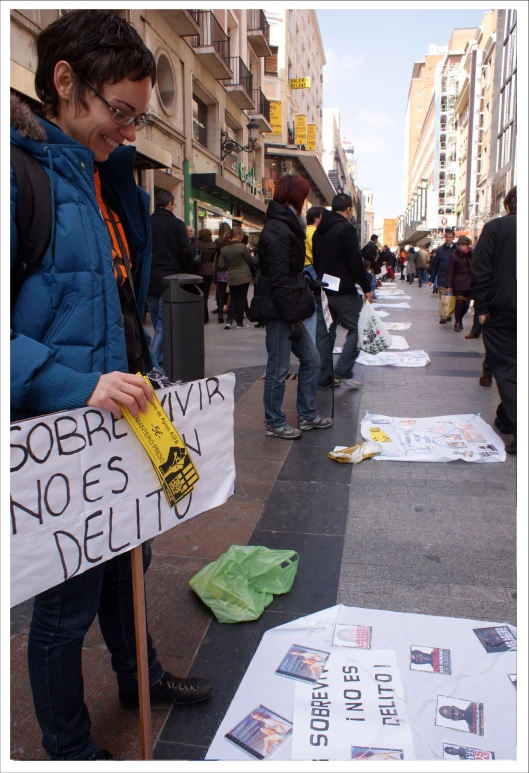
262 104
241 75
211 34
257 21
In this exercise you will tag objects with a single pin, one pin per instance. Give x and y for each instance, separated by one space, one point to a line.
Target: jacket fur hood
25 121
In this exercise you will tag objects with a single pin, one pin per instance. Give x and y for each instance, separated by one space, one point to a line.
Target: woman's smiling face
94 127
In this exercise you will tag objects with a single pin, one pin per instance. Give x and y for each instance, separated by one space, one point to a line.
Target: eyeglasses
118 116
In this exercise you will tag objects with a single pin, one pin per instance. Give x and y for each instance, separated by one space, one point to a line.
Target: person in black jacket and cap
439 271
493 288
282 300
337 252
171 254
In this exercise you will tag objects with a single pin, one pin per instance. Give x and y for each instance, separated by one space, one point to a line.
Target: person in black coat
282 300
493 288
336 252
440 260
171 254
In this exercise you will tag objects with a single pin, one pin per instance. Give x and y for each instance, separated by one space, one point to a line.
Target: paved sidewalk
431 538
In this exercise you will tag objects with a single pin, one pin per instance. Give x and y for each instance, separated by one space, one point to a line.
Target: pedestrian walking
440 271
313 216
410 265
336 252
391 262
493 288
402 263
282 300
171 254
208 253
458 279
77 341
221 277
235 258
421 261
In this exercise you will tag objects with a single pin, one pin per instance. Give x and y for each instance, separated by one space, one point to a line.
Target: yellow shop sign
300 128
300 83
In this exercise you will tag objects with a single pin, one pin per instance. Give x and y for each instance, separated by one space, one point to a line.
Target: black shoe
443 321
102 754
221 320
449 319
330 384
171 689
511 447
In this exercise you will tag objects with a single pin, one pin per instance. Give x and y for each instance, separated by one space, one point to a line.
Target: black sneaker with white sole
319 422
285 431
171 690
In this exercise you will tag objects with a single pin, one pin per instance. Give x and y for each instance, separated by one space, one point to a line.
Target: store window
165 82
200 121
208 217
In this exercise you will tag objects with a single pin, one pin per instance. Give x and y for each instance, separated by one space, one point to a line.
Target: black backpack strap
33 216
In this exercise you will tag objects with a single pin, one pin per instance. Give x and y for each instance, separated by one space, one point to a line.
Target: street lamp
229 145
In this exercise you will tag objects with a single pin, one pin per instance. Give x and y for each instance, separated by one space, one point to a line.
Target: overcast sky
370 57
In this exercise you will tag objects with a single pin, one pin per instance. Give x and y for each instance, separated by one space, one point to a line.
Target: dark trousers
237 305
499 335
461 309
61 618
206 284
221 298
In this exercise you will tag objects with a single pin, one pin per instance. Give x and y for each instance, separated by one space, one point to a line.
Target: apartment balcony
212 45
183 22
258 32
240 85
261 112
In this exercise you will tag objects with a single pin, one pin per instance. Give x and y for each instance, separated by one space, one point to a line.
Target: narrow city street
433 538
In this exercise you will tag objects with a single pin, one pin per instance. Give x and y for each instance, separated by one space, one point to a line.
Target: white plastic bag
373 336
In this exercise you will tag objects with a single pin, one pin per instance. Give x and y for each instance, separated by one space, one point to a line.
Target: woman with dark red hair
282 300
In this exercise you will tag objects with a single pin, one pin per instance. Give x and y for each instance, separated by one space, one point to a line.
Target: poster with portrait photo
432 660
303 663
500 638
452 752
460 714
357 636
373 753
260 733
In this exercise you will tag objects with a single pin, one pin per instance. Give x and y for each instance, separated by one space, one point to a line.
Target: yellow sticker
165 448
378 435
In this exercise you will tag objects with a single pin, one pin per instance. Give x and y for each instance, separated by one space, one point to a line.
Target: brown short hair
510 200
204 235
236 232
99 46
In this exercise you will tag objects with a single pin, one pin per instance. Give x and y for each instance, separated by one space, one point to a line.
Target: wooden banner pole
140 623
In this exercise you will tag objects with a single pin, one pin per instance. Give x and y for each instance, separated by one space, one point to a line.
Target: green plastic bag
240 584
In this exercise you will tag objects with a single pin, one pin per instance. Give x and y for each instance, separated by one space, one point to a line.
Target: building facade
209 91
369 216
293 82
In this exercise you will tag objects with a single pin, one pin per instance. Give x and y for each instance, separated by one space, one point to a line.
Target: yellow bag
447 305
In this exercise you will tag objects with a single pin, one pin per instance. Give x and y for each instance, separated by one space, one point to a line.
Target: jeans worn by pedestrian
346 310
155 304
62 617
311 322
279 347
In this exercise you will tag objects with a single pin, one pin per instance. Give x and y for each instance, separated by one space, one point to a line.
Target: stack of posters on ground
398 343
348 683
414 359
390 296
434 439
387 305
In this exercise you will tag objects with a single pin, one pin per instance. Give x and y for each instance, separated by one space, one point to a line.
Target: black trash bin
183 327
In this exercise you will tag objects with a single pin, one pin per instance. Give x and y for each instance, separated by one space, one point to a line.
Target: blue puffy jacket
66 324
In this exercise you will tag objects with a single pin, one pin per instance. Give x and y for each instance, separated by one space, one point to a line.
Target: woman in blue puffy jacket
75 335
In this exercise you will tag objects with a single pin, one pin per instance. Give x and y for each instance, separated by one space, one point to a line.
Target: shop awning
311 164
223 189
415 236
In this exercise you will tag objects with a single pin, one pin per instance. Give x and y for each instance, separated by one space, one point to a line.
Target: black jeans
221 298
206 284
499 335
237 305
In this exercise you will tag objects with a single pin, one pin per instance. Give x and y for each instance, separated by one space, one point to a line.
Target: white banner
391 296
434 439
385 305
434 662
353 709
414 359
83 489
398 342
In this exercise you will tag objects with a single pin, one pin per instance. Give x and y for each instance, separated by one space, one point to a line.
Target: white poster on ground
391 296
432 661
398 342
434 439
413 359
84 490
397 325
385 305
354 707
